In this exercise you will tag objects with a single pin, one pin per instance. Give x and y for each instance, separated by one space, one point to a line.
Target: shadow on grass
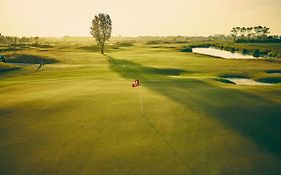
6 68
107 48
250 115
222 80
29 59
133 70
273 71
272 80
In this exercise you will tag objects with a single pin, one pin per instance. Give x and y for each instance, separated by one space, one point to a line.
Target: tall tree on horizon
101 29
234 32
265 31
249 32
243 31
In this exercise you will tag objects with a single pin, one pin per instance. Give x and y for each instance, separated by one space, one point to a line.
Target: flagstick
140 99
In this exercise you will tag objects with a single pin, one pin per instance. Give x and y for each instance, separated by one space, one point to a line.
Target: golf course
79 114
106 87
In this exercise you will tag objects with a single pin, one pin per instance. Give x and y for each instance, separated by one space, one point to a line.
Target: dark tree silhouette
234 32
101 29
243 30
252 34
249 32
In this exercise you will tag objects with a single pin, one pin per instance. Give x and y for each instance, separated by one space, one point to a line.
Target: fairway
81 115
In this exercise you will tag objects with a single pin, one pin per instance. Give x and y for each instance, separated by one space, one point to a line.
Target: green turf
81 115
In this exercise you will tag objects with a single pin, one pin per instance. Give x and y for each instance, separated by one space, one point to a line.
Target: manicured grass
81 115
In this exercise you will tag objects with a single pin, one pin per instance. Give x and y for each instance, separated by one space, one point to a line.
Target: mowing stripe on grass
161 136
140 97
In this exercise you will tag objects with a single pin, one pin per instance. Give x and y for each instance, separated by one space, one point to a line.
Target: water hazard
221 53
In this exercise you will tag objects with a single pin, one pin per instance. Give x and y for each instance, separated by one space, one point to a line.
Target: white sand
245 81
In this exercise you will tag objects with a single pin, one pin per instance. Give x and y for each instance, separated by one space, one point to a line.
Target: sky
137 17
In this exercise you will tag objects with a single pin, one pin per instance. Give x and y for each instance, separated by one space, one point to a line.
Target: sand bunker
245 81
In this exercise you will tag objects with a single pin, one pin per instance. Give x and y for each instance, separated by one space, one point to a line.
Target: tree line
253 34
13 40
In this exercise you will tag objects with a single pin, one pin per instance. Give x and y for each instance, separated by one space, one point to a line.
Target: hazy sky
137 17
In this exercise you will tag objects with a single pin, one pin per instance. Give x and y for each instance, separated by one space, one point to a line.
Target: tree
2 38
36 40
258 30
243 31
101 29
249 32
265 31
23 40
14 40
238 31
234 33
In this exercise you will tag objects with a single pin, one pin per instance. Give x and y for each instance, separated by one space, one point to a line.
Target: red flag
136 83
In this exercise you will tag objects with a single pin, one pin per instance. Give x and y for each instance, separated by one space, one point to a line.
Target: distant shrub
264 52
275 53
232 50
203 45
186 49
272 54
245 51
227 48
268 40
256 53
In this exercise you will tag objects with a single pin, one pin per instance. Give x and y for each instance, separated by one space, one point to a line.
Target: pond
221 53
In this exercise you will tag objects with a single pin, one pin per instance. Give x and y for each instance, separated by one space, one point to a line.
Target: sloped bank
4 67
29 59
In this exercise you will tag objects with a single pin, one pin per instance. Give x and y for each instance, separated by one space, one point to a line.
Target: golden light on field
137 17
